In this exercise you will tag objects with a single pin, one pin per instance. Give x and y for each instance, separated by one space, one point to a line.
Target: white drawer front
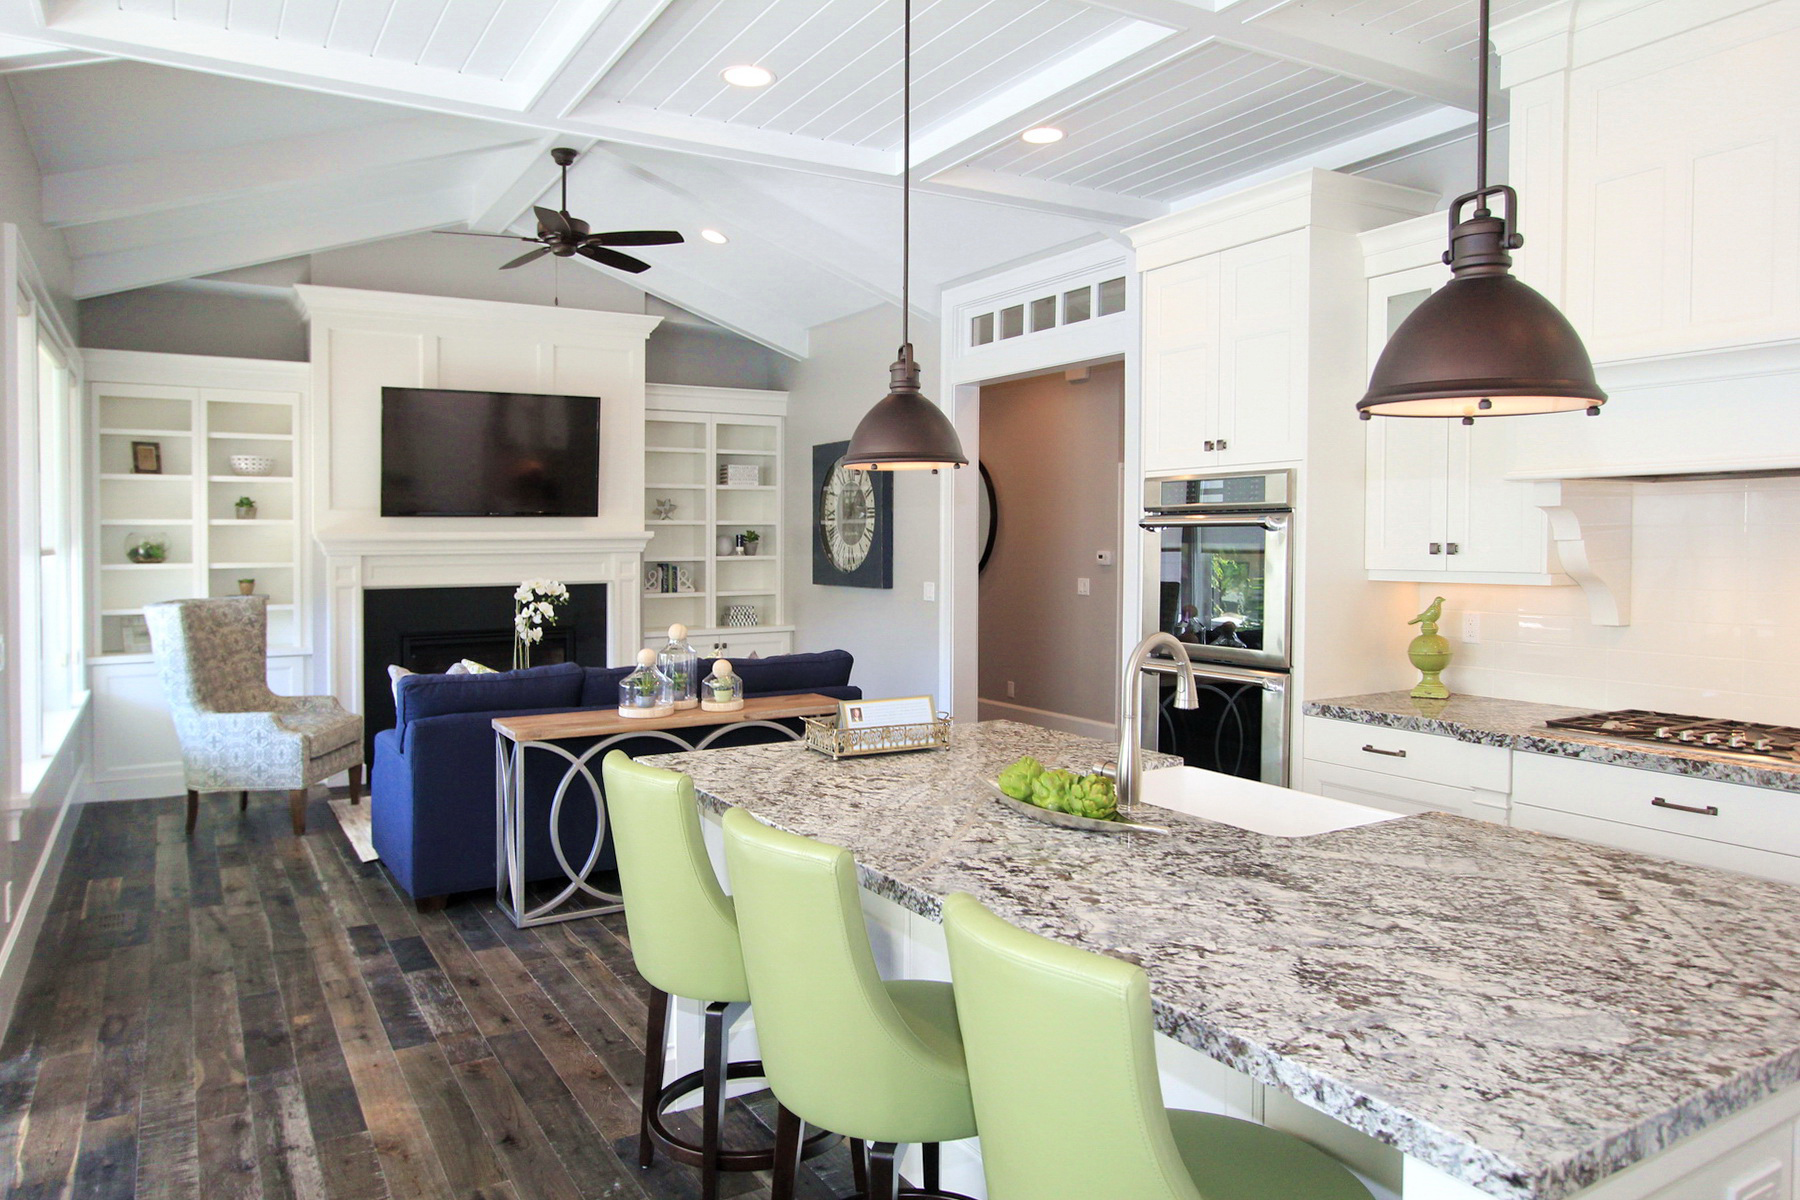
1396 793
1693 808
1658 843
1428 757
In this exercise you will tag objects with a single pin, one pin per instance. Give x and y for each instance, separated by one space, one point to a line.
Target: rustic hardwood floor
251 1014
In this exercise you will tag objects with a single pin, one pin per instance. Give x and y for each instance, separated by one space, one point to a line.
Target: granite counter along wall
1715 630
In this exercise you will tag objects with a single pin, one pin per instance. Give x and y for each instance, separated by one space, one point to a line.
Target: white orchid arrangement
534 606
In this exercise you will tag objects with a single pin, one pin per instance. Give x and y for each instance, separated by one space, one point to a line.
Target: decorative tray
823 735
1067 820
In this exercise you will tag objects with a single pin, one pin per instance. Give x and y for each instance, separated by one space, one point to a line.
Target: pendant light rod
1481 106
906 177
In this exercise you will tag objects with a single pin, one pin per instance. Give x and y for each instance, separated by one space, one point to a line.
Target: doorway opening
1052 452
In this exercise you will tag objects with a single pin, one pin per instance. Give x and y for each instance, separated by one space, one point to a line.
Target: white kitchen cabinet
1393 793
1224 360
1439 507
1703 821
1403 771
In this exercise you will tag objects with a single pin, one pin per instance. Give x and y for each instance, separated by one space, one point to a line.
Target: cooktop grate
1769 743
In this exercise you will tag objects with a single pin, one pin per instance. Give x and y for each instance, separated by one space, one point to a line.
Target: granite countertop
1526 1013
1519 725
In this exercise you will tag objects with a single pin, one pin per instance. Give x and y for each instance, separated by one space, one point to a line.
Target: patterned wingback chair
237 735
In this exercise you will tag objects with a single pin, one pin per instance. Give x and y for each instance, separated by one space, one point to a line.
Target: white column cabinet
1224 364
1439 505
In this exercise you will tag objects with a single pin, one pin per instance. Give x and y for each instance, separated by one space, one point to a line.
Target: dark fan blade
514 237
613 259
551 221
528 256
638 237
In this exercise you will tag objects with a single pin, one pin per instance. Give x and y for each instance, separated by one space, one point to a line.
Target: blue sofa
432 788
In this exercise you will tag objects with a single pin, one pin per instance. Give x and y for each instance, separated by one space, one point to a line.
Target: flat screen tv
488 454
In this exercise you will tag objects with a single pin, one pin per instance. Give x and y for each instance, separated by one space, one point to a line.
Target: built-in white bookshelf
715 455
162 459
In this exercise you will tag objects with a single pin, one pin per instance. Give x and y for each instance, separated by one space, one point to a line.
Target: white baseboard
22 935
140 787
1001 710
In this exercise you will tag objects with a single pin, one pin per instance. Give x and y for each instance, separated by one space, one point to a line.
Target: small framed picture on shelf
134 635
146 458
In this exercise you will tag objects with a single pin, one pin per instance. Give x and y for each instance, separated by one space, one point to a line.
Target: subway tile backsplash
1715 626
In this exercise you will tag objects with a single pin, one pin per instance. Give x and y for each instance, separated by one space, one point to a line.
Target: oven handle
1269 681
1273 522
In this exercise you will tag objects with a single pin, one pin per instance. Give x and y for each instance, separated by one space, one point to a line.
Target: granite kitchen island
1503 1013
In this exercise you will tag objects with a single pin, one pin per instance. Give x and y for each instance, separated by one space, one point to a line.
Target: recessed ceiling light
714 236
747 76
1043 135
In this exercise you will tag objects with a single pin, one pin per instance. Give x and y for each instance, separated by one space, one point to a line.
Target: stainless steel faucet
1126 775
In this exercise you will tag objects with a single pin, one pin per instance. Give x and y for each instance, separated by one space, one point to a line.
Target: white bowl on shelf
252 464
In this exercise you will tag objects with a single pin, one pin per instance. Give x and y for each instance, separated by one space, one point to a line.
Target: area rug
353 819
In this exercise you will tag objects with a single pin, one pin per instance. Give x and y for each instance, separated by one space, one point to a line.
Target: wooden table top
604 722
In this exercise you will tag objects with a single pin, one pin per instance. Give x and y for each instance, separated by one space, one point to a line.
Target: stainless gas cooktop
1770 743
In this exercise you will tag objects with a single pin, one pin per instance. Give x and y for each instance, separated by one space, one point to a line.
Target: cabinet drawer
1658 843
1396 793
1429 757
1695 808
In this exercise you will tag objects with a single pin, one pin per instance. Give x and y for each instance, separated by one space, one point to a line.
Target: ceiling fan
564 236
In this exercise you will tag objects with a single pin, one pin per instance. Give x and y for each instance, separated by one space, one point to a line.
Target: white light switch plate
1083 587
930 590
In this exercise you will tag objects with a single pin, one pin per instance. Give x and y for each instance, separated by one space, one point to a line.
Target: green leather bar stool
1063 1071
878 1061
684 940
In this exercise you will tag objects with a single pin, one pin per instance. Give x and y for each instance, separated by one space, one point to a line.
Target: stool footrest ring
689 1153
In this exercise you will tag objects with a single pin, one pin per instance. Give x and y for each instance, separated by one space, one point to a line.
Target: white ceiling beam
124 270
592 56
1088 204
1339 47
208 176
518 180
28 54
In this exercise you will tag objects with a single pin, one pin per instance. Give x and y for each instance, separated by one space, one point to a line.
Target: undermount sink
1252 805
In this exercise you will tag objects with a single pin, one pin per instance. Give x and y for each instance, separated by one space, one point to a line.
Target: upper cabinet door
1408 459
1262 351
1493 524
1181 365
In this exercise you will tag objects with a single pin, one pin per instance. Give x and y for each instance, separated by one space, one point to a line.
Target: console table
515 735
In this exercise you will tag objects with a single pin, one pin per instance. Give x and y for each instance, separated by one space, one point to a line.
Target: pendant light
905 431
1484 344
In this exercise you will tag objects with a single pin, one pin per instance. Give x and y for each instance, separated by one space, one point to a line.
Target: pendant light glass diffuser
905 431
1484 344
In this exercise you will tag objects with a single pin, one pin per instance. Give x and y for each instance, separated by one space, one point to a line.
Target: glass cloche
678 661
723 690
646 692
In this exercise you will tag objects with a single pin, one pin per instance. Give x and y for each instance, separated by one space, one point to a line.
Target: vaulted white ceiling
184 137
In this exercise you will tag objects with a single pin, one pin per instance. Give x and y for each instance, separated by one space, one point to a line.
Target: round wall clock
853 535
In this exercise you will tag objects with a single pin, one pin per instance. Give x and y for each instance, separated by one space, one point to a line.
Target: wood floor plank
118 1071
106 1165
351 1170
531 1165
53 1127
219 1088
287 1158
481 999
228 1159
168 1130
585 1153
463 1154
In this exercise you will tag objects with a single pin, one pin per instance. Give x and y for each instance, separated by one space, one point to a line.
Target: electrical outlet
930 590
1471 627
1083 587
1012 692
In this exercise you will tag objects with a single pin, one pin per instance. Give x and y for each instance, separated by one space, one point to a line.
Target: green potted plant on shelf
751 537
246 509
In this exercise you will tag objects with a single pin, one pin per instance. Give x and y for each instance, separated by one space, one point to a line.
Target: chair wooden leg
655 1048
356 782
930 1150
712 1100
193 813
243 802
884 1172
859 1165
297 810
788 1129
431 904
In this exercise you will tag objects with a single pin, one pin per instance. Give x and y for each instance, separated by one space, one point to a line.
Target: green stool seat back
1062 1065
842 1049
684 934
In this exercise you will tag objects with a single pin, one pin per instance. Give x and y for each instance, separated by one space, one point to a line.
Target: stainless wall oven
1218 575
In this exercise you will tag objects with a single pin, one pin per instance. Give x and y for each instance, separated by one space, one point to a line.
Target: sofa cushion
554 686
793 672
600 688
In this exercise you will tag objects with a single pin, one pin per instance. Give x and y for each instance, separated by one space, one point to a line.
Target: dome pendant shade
1484 344
1482 338
905 431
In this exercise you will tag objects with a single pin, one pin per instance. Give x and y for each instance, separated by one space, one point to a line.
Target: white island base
1750 1156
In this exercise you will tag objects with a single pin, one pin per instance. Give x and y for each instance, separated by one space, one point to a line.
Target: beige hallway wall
1053 449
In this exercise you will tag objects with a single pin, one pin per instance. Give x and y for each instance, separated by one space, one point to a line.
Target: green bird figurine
1430 653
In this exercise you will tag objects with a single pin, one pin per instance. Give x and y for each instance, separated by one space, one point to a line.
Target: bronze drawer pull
1711 810
1367 749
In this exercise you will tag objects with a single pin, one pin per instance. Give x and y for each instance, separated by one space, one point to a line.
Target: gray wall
20 205
892 633
1053 449
249 313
